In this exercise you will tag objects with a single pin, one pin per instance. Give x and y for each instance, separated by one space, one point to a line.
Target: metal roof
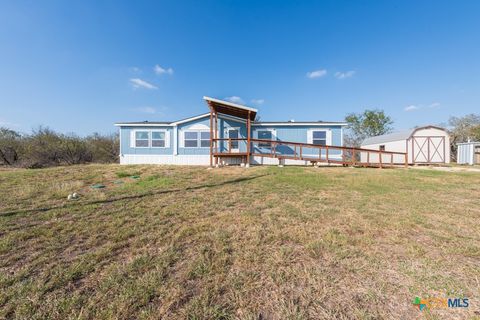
142 122
235 110
230 108
475 143
160 123
299 123
395 136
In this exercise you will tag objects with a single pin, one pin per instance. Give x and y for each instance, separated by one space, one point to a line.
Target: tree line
44 147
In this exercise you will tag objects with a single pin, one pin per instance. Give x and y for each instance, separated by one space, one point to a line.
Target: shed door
428 149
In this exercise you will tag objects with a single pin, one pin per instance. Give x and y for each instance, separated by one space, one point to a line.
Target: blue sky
80 66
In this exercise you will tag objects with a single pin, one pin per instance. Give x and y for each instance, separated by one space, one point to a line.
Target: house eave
142 124
174 123
315 124
231 104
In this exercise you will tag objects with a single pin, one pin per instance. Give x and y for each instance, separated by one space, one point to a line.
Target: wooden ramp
287 150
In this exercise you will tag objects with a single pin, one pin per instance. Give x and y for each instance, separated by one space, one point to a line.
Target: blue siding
185 126
299 134
223 125
283 133
125 133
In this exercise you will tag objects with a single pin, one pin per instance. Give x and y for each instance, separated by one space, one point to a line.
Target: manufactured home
422 145
229 134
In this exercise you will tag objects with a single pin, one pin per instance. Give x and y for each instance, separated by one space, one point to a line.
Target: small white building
468 153
423 145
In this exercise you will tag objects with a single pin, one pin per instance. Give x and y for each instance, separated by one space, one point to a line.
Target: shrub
45 147
10 146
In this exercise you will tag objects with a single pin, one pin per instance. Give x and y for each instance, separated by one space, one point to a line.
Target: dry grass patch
235 243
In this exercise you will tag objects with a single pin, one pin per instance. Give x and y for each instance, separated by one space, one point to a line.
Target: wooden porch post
216 137
248 139
211 137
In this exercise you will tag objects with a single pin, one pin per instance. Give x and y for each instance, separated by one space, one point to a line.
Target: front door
232 145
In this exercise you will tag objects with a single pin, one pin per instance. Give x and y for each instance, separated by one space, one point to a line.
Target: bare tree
464 128
10 146
104 148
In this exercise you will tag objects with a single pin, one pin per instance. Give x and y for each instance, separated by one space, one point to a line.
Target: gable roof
299 123
228 109
396 136
161 123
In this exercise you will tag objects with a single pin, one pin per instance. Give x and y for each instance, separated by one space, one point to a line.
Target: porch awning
230 108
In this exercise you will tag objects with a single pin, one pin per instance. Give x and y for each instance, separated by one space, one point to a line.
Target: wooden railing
313 153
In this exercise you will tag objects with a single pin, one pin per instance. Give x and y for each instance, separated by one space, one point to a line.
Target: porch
222 148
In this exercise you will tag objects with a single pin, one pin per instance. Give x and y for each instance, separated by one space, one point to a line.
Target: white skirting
198 160
202 160
275 161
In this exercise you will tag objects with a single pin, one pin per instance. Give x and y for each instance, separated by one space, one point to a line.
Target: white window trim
274 135
227 134
227 130
183 139
328 136
175 140
199 138
167 140
133 137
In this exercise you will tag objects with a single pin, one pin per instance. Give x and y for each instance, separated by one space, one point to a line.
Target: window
205 139
149 139
196 139
141 139
233 133
191 139
382 147
319 138
265 135
158 139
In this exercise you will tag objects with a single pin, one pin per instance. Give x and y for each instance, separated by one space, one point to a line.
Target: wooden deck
230 154
346 156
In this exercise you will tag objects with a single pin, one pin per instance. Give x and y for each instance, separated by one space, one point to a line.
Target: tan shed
423 145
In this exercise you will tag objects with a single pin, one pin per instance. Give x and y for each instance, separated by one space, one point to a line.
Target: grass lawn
235 243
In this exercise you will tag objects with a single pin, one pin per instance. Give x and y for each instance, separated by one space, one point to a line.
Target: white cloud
159 70
344 75
148 110
135 70
422 106
7 124
159 112
258 101
316 74
411 108
235 99
139 83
